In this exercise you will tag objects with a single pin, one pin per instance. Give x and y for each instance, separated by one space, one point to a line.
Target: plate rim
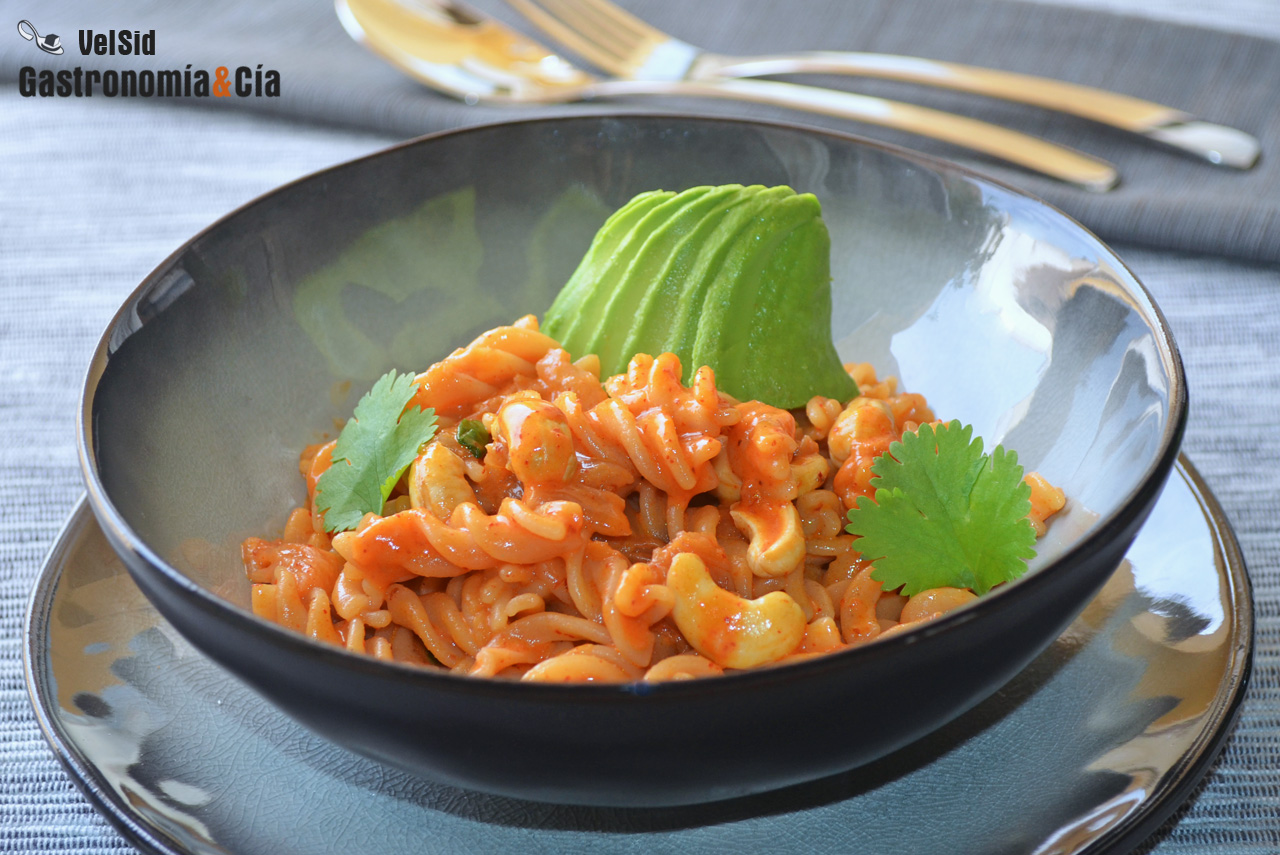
83 773
1192 765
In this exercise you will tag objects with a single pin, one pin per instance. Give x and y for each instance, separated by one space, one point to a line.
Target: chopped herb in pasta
473 437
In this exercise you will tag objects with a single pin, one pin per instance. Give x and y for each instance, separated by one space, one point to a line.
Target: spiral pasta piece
416 542
629 615
486 367
862 433
683 666
666 433
762 452
586 663
557 375
438 481
311 568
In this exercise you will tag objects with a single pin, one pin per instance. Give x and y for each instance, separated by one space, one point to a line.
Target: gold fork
627 47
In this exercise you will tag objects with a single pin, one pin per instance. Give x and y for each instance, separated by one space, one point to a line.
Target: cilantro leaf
945 514
473 437
375 447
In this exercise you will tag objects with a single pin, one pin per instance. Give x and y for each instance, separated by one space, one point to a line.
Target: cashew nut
777 540
539 441
933 602
731 631
865 418
1046 500
810 469
437 481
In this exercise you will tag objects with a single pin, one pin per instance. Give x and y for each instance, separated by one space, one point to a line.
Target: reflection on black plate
1085 751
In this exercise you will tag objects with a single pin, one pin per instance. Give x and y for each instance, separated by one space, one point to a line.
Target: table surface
93 194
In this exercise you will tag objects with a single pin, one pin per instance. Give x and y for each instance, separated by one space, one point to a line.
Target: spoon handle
1026 151
1216 143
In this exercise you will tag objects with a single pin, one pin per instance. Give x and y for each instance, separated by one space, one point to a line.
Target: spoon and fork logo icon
49 44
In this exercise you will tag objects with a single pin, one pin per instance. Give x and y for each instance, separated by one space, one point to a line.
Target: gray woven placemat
94 193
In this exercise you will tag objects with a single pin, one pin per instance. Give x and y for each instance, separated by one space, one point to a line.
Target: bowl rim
135 552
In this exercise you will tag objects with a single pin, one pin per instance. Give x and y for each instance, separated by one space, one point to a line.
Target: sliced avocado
726 331
791 314
683 270
730 237
737 278
658 235
572 311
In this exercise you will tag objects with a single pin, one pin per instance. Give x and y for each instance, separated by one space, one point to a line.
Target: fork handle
1027 151
1216 143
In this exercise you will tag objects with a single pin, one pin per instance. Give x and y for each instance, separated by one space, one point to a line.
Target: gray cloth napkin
1167 199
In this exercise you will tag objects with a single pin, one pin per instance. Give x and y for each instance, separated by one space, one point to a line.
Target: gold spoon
456 50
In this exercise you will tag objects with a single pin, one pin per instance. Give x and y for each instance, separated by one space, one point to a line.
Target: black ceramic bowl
252 338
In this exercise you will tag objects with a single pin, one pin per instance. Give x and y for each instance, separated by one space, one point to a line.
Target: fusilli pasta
630 529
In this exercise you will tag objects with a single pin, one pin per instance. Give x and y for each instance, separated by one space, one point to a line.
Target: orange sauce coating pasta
627 529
